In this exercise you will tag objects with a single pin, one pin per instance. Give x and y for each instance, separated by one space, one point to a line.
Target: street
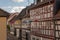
11 37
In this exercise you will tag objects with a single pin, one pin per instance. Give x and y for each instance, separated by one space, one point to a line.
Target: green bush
8 27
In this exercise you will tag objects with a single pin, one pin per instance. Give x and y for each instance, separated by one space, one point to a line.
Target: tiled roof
13 16
25 10
24 13
39 4
4 13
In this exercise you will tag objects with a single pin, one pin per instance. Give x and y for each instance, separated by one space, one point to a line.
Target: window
31 17
45 9
57 34
35 12
52 26
47 25
44 23
33 38
37 39
44 28
48 8
58 27
30 13
58 22
41 16
44 32
51 6
45 15
57 30
38 24
40 10
51 32
37 17
49 15
38 1
47 32
41 0
57 39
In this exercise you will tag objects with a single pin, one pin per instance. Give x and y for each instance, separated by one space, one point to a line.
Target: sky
14 5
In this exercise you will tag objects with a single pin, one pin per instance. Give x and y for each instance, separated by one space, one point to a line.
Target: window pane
58 22
47 32
48 8
33 38
58 27
37 39
49 14
51 7
57 34
57 39
45 15
52 26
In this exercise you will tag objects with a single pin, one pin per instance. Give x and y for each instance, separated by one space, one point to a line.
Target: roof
24 13
3 13
40 4
57 16
13 16
56 6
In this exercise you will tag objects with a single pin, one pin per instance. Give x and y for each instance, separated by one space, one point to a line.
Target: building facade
14 24
17 25
42 20
25 28
25 18
3 24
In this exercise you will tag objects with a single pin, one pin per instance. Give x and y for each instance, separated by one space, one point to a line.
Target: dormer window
41 0
37 1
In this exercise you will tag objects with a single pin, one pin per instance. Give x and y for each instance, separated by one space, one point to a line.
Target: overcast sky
14 5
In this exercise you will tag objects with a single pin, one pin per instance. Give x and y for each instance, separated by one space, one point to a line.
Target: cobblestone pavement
11 37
